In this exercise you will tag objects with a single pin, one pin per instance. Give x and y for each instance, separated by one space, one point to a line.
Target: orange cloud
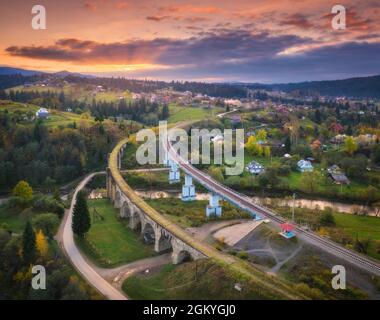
186 8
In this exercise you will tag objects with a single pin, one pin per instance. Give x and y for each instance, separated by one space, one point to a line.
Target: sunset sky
205 40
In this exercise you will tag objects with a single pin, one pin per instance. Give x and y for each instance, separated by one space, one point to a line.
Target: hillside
360 87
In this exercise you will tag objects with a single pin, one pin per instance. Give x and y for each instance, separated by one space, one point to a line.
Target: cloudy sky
204 40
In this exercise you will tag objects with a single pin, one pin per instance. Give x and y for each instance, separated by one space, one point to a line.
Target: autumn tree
42 245
262 135
216 173
81 216
253 147
350 145
28 244
23 191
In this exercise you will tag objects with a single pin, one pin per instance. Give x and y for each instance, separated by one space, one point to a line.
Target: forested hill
363 87
360 87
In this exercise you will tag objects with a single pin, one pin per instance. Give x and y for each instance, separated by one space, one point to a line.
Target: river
283 202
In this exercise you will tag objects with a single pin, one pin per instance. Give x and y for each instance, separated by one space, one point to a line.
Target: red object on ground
287 227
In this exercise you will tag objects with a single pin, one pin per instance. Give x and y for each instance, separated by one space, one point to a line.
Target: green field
56 118
192 214
79 92
201 280
110 242
178 113
363 228
15 219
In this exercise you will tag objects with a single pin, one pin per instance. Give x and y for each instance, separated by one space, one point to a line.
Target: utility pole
294 201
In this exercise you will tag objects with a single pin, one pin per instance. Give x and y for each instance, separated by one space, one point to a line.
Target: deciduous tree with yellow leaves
41 244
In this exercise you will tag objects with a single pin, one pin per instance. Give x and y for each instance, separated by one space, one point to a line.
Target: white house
42 113
255 168
304 166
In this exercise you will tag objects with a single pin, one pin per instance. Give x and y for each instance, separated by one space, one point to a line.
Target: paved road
76 258
246 203
221 115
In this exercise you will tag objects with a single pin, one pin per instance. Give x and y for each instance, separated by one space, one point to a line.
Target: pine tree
42 244
165 112
28 244
81 216
288 144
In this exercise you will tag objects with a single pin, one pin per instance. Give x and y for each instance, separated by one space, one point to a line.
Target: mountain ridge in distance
355 87
4 70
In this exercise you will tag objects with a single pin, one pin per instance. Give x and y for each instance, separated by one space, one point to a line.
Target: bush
47 222
48 204
284 170
327 219
242 255
312 293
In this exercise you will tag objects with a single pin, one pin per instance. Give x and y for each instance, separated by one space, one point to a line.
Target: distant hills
7 71
26 73
359 87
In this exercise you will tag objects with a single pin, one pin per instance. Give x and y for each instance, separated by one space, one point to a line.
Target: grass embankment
150 181
110 242
313 277
192 214
202 280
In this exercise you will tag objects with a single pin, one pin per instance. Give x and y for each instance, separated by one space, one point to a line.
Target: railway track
245 203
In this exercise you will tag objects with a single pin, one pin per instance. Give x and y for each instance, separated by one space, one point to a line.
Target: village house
255 168
305 166
337 175
339 138
42 113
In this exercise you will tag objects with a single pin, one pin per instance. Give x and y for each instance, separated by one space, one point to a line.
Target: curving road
76 258
245 203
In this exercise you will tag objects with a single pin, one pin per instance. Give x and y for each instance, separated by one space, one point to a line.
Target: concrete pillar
161 243
188 189
174 175
119 157
134 221
213 208
113 190
166 159
108 183
126 210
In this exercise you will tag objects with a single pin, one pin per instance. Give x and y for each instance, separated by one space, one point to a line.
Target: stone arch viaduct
155 228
